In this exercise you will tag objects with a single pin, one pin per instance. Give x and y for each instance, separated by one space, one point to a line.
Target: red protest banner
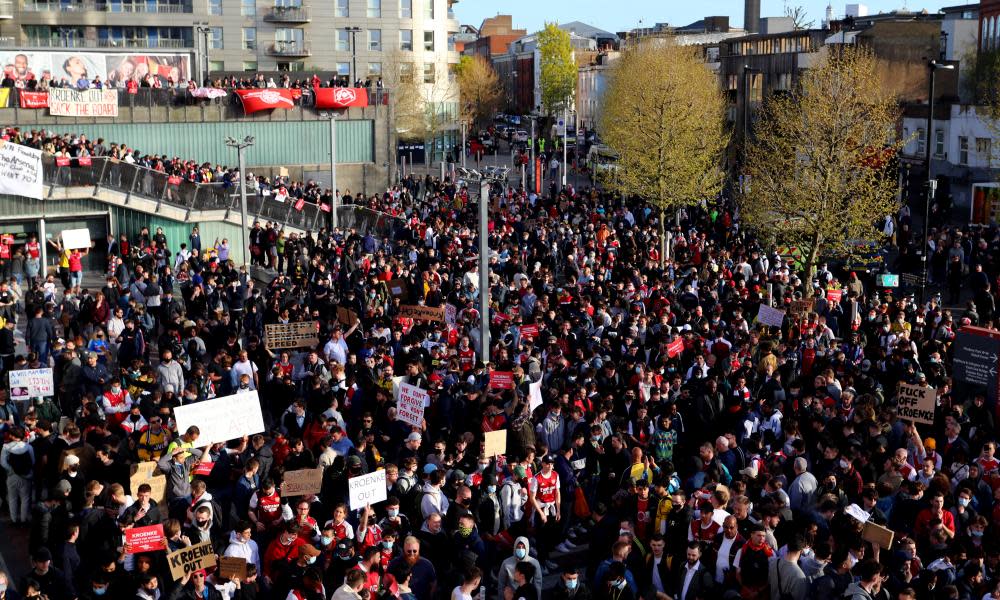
502 380
34 99
834 295
204 468
174 180
145 539
675 348
299 203
529 331
340 97
258 100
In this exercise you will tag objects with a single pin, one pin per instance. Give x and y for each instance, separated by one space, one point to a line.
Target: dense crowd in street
679 450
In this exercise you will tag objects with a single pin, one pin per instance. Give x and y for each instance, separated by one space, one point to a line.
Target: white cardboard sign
75 238
411 403
367 489
20 170
222 419
31 383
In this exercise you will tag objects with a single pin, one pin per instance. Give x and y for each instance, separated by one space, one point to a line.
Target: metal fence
178 96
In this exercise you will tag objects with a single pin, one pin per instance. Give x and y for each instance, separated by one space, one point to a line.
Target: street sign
977 352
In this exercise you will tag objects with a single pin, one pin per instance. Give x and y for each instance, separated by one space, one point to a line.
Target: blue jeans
75 278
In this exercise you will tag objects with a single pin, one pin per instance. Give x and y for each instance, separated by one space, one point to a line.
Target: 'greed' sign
916 403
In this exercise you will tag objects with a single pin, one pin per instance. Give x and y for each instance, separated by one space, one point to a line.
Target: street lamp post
333 168
240 146
354 52
565 143
204 31
934 66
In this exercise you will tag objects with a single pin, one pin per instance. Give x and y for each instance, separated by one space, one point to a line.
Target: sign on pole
916 403
888 280
31 383
302 482
772 317
367 489
145 539
291 335
190 559
20 170
222 419
496 443
411 403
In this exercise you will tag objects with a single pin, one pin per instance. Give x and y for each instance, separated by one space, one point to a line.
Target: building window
406 40
343 69
406 73
984 149
374 70
248 8
215 7
343 40
963 150
451 41
429 72
250 66
342 9
921 142
375 40
405 9
216 37
452 74
428 9
216 65
374 9
249 38
429 41
938 142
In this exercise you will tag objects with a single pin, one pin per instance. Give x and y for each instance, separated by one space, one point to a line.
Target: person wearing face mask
614 586
488 511
394 519
282 552
99 586
117 403
466 540
242 545
506 580
570 586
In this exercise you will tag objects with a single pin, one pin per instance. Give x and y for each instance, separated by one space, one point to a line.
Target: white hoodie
246 550
17 447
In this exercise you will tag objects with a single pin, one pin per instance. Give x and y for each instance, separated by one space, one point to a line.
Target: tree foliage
818 163
664 115
559 72
479 88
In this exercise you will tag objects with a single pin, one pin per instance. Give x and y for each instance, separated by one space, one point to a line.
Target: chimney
751 16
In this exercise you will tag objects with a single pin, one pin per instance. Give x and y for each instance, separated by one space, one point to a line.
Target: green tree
818 161
558 79
664 115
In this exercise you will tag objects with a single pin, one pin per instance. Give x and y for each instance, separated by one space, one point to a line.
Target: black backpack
20 463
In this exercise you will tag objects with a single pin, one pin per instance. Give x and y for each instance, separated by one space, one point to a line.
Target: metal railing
52 42
289 49
136 181
288 14
109 7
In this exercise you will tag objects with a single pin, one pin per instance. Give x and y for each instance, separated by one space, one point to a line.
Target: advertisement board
114 68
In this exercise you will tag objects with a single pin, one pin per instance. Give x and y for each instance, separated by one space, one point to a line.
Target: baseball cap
414 437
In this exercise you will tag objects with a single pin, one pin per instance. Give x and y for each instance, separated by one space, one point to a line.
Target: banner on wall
66 102
267 99
340 97
33 99
112 67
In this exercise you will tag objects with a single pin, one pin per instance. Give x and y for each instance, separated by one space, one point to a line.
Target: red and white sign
7 238
145 539
203 468
411 403
208 92
502 380
84 161
62 161
529 331
340 97
174 180
34 99
675 348
834 295
299 203
267 99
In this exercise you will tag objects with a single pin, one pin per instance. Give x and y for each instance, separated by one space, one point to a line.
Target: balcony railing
288 14
289 49
6 9
83 43
115 8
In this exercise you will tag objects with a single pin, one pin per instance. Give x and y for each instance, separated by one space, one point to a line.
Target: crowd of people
677 450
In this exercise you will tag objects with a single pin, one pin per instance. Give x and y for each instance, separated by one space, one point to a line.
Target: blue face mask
100 591
520 553
326 541
491 489
392 513
572 583
387 545
975 533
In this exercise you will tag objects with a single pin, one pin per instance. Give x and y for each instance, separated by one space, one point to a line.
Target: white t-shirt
458 594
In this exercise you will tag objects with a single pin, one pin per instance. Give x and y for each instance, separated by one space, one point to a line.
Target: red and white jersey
547 487
33 249
988 465
341 531
267 508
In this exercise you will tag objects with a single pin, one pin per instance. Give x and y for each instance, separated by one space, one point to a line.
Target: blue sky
625 14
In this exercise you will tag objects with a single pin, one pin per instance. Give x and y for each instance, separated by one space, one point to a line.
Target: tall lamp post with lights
240 147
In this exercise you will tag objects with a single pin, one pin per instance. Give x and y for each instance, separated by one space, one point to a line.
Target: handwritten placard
496 443
222 419
916 403
303 334
425 313
20 170
69 102
410 404
190 559
302 482
367 489
31 383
